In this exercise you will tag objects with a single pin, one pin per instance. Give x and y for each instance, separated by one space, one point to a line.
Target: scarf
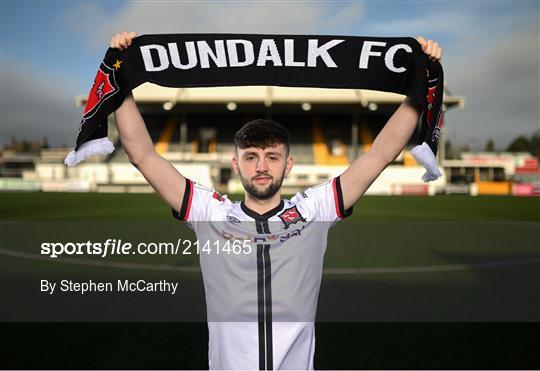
395 65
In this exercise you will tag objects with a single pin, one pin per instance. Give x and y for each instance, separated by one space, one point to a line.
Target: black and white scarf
395 65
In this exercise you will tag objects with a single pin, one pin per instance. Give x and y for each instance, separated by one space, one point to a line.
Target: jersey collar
267 215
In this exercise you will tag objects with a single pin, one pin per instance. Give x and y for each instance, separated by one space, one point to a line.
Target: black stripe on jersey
260 302
265 227
185 202
268 306
264 296
262 226
264 287
259 226
342 212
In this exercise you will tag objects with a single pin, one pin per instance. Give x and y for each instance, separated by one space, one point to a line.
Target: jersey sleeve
325 201
198 203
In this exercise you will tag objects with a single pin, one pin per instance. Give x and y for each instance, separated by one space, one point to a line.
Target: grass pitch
399 273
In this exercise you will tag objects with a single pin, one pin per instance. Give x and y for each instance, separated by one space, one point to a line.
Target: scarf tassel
425 157
101 146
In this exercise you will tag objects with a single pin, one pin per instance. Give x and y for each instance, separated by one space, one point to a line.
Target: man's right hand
122 40
138 145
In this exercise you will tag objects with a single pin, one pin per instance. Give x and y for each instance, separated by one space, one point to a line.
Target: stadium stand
194 129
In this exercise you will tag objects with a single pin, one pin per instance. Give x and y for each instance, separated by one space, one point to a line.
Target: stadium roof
151 93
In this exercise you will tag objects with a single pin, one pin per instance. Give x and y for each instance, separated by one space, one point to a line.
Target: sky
50 51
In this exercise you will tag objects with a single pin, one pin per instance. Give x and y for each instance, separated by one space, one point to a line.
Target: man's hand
122 40
161 174
431 48
388 144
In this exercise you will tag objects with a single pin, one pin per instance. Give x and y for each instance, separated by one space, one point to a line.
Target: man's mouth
262 179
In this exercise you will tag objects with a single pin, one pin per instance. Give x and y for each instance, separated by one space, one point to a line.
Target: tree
449 150
490 146
524 144
519 144
535 144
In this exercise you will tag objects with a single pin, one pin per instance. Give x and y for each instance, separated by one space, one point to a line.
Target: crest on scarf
103 88
431 97
291 216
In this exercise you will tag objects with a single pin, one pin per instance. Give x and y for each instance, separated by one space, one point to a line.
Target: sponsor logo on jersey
304 195
265 238
260 238
296 232
230 236
291 216
226 235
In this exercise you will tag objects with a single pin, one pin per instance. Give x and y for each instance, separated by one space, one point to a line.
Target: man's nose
262 165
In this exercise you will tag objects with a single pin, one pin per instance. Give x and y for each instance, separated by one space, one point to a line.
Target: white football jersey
262 273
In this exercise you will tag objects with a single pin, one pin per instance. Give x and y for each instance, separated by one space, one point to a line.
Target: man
261 303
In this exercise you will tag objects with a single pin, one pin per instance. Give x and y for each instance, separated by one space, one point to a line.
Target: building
486 173
194 129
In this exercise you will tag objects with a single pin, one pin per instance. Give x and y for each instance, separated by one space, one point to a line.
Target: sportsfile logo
113 246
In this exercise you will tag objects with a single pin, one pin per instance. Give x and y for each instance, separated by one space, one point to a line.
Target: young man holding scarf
278 274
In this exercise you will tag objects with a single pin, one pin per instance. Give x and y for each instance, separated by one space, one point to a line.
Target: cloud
491 57
491 49
501 84
449 22
37 105
196 17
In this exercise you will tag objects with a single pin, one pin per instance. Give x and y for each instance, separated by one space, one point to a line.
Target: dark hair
262 133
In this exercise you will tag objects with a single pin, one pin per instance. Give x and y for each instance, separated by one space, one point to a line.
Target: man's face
262 170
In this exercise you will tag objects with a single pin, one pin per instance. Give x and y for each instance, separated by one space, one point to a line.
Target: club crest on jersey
103 88
291 216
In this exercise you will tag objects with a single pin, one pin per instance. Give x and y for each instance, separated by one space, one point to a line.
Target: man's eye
272 158
249 158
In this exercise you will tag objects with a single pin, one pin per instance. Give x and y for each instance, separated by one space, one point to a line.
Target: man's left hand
431 48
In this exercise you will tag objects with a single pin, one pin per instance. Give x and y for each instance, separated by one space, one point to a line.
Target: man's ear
234 163
289 165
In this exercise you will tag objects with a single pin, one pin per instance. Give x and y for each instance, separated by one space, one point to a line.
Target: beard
262 192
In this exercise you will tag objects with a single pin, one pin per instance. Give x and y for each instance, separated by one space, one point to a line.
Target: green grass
97 206
374 315
383 231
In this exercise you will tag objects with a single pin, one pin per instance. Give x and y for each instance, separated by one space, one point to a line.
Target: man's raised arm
387 145
160 173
